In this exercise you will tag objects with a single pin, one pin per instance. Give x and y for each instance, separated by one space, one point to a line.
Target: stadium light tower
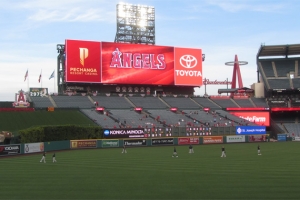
135 24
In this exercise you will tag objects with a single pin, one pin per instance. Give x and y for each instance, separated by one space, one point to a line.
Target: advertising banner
34 147
235 138
257 138
38 92
212 139
162 141
8 150
110 143
296 139
188 66
281 137
124 133
250 130
83 61
259 118
140 142
78 144
188 140
123 63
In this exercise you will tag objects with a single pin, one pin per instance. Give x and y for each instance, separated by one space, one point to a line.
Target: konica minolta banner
124 133
250 130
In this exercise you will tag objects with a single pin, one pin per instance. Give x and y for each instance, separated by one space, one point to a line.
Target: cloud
257 6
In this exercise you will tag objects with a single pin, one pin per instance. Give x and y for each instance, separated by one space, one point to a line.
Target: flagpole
41 79
54 81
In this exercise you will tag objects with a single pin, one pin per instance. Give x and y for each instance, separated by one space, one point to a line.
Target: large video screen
122 63
259 118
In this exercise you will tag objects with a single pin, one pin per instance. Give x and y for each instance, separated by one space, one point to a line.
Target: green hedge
57 133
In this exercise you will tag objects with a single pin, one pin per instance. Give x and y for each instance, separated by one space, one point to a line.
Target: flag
52 75
26 75
40 77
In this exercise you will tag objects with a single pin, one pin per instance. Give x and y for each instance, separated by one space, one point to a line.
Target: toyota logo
188 61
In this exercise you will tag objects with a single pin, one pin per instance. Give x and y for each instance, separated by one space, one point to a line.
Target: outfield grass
152 173
15 121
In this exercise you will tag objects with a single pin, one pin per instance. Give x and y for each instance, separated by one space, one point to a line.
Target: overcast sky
31 29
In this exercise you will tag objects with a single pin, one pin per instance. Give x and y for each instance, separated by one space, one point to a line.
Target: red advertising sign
188 67
212 139
77 144
260 118
83 61
257 138
137 64
188 140
123 63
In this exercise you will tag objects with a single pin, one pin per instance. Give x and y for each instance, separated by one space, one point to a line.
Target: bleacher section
41 102
100 119
260 102
267 68
234 118
246 103
283 67
72 102
170 118
112 102
148 102
296 83
279 83
225 103
181 102
132 119
206 103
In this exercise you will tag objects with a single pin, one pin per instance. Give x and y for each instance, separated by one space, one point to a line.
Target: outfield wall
29 148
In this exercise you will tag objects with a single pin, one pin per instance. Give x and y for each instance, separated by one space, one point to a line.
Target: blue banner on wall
281 137
250 130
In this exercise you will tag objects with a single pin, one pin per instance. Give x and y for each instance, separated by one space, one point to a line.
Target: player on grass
191 150
124 149
44 157
53 158
223 152
175 153
258 150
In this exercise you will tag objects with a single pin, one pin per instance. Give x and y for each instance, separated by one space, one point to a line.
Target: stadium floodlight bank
135 24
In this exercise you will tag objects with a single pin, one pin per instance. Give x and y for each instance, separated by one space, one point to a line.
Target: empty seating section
210 118
279 83
296 82
132 119
72 101
41 102
267 68
237 120
148 102
170 118
246 103
293 129
181 102
283 67
225 103
112 102
101 119
206 103
260 102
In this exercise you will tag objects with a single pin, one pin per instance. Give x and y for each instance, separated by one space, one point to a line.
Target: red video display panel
137 64
188 67
259 118
83 61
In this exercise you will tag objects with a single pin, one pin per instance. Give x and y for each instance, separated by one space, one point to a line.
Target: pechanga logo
188 61
106 132
84 53
137 60
239 130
